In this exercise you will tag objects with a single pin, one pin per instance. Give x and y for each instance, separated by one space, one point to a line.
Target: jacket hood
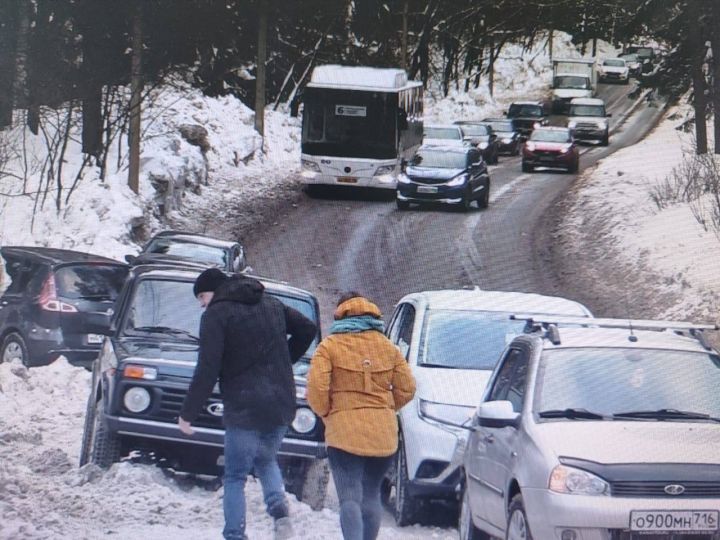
357 306
241 289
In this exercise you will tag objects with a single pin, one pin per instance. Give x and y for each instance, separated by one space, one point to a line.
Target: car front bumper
443 194
595 517
590 134
163 431
555 161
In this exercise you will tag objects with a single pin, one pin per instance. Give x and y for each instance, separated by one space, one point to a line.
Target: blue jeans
249 450
357 480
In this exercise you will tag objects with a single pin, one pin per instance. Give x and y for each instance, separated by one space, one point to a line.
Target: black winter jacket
243 342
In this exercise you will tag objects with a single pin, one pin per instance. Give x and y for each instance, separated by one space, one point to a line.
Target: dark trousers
357 480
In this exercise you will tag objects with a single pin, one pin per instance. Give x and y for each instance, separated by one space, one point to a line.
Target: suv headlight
444 412
136 399
403 179
506 140
602 125
572 124
572 481
304 421
459 180
310 166
483 145
385 169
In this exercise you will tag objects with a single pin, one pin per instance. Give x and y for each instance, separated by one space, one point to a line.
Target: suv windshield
165 307
586 110
439 159
501 127
466 339
572 81
614 63
474 130
188 250
90 281
525 110
442 133
611 381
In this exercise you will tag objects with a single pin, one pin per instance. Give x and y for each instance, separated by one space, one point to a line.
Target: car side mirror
608 115
130 259
403 164
497 414
476 165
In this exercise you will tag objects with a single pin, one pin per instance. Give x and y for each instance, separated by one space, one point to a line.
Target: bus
358 126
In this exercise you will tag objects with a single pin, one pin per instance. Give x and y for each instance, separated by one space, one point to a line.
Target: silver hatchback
597 433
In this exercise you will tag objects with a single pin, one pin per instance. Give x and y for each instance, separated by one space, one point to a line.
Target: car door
474 156
485 476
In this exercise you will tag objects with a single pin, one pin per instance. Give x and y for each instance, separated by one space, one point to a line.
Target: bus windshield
350 123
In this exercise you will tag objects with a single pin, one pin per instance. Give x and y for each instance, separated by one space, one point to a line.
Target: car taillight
48 300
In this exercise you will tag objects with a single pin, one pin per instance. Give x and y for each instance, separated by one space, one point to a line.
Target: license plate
94 339
674 520
427 189
347 180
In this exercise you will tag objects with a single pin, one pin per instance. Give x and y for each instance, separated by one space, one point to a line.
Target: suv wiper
166 330
572 414
666 414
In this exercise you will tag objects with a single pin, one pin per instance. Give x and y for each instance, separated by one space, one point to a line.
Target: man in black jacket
244 343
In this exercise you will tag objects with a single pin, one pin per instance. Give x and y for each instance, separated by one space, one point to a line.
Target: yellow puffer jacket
357 381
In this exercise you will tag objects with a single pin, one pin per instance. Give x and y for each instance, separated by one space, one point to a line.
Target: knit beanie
209 280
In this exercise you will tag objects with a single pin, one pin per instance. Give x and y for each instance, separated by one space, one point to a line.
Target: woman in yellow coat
358 380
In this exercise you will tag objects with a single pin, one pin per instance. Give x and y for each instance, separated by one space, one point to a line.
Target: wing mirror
608 115
130 259
497 414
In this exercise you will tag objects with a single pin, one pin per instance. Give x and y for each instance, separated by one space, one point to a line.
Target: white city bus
358 124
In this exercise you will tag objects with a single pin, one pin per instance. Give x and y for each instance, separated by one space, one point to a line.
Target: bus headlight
385 169
305 420
136 399
310 166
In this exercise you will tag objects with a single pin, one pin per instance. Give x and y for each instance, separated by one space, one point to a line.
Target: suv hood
614 69
452 386
566 93
432 174
589 119
631 442
142 348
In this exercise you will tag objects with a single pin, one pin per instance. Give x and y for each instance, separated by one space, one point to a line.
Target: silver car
597 433
452 340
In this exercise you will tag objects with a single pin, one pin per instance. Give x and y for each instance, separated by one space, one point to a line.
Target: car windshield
501 127
442 133
439 159
189 250
609 381
586 110
630 57
466 339
572 82
474 130
525 110
168 308
614 63
542 135
90 281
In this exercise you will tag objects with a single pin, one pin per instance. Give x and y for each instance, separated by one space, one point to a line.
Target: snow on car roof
618 338
360 78
586 101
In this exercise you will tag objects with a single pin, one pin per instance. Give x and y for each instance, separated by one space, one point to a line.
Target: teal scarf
352 325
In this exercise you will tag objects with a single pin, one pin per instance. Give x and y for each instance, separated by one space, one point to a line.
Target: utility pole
260 76
403 60
136 86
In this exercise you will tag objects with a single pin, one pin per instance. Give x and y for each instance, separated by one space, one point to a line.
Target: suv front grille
171 400
586 126
657 489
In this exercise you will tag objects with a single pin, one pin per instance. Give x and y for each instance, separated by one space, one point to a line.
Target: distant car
587 118
442 135
55 302
452 340
614 70
528 115
645 53
140 379
551 147
450 175
180 247
600 432
482 137
634 64
508 135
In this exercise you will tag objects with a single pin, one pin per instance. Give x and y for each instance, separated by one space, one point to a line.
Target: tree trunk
594 41
715 44
698 50
8 33
260 75
20 90
403 47
550 43
136 86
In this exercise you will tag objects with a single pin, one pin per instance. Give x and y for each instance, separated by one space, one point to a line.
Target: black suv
528 115
55 302
188 249
140 379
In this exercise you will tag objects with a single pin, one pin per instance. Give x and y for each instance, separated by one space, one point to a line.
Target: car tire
517 525
402 205
527 168
496 157
88 430
14 348
484 200
516 151
466 202
106 445
405 507
308 480
466 528
605 140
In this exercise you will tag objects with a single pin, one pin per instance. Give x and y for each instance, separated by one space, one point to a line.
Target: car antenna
632 338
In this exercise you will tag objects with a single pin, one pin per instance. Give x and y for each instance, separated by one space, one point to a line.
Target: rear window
189 250
614 63
525 110
90 281
474 130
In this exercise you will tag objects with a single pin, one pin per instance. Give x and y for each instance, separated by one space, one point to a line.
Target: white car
442 135
615 70
588 120
452 340
608 431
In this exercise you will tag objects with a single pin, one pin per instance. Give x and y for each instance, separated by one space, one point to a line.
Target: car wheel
516 151
14 348
496 157
106 445
88 430
484 200
517 525
466 202
405 507
466 527
527 168
605 140
307 479
402 205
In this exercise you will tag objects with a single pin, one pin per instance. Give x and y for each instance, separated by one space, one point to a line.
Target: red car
551 147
